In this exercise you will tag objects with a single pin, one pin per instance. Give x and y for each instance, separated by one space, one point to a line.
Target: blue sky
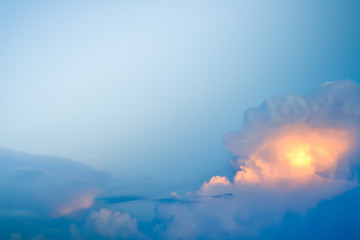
148 91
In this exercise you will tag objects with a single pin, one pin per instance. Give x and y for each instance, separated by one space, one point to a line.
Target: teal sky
149 90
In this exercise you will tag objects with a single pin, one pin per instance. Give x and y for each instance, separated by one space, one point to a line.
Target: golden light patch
301 156
247 175
216 180
296 153
79 202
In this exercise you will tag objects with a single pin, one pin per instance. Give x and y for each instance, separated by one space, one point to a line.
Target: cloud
130 198
291 153
121 199
106 224
37 191
46 186
331 219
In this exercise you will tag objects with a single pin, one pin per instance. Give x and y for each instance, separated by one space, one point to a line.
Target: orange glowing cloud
81 201
216 180
291 153
297 153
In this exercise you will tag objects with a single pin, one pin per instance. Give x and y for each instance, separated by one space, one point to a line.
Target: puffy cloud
291 153
106 224
297 154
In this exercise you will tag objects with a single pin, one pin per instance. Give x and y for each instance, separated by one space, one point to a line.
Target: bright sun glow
81 201
301 156
296 153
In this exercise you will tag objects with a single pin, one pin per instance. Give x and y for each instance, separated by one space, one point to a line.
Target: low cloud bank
46 186
39 191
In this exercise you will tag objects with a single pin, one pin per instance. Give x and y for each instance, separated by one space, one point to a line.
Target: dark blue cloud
36 191
333 219
121 199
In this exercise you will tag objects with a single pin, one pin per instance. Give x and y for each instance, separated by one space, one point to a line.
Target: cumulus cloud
107 224
291 153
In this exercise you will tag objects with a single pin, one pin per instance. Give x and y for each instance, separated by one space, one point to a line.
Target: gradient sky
148 90
129 87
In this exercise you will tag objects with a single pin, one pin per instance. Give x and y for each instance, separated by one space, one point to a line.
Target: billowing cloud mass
291 153
106 224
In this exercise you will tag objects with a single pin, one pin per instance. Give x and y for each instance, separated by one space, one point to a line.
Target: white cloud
106 224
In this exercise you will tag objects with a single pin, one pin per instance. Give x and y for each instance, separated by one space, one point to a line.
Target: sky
135 120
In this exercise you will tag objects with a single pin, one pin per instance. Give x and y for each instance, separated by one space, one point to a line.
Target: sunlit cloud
81 201
295 153
291 153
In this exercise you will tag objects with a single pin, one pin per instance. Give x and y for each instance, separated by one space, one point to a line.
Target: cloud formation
291 153
39 186
40 194
106 224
